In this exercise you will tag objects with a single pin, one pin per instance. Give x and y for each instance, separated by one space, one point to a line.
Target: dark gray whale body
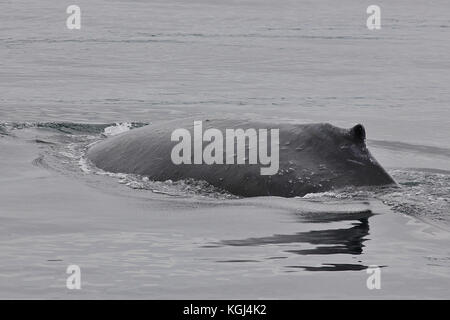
312 158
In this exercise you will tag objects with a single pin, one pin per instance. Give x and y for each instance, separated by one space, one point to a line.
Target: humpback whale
313 158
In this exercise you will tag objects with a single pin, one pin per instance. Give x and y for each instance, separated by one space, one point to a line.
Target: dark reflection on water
333 267
237 261
334 241
327 217
326 242
330 241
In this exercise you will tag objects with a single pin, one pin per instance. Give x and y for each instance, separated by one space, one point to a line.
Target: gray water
148 61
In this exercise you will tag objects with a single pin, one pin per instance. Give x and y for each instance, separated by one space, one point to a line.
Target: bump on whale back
358 132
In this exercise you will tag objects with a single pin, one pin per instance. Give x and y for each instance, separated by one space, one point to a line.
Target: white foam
320 195
84 166
117 129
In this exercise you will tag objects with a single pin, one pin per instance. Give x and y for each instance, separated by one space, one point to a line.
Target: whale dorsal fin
358 133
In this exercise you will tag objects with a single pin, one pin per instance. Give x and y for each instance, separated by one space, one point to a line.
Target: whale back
312 158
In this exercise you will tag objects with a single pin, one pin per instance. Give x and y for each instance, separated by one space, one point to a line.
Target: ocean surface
139 62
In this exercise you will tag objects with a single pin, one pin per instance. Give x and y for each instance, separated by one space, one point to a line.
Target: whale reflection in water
326 242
